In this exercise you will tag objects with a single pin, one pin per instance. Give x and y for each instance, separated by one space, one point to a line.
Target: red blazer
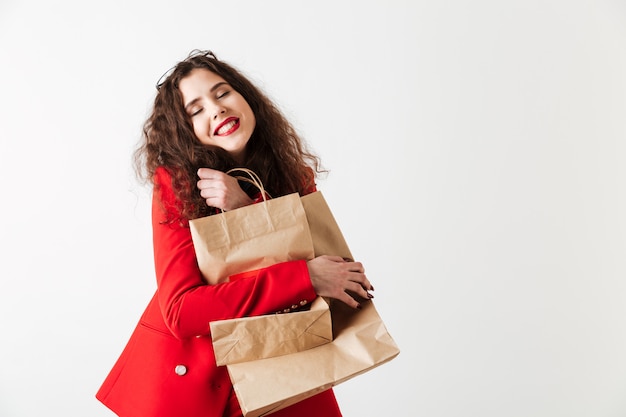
168 368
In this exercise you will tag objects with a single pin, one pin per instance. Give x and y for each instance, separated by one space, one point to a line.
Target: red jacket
168 368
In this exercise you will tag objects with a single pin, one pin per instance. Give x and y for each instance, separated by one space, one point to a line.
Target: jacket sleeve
187 303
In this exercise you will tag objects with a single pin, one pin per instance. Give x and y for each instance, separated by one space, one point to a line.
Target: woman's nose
218 111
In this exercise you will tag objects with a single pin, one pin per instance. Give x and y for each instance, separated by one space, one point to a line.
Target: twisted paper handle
254 180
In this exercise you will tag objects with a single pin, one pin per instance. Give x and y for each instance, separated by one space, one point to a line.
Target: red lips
228 126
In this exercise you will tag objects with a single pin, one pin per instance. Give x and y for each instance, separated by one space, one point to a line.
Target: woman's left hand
332 276
220 190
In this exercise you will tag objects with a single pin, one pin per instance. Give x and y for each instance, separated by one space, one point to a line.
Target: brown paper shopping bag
251 338
251 237
361 343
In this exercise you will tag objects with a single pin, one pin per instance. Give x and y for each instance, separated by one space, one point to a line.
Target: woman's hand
334 277
220 190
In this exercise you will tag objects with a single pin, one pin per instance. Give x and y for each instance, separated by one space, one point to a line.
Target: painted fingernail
370 295
358 306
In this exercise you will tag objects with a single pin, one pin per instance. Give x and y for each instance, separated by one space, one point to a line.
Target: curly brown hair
274 151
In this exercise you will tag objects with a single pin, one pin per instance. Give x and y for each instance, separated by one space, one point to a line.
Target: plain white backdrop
476 154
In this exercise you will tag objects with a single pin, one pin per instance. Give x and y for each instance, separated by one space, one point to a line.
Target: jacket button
180 370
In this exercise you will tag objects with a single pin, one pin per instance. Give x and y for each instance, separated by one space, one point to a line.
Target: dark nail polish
358 306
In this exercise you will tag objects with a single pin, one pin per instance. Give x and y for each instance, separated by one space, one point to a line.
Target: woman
208 118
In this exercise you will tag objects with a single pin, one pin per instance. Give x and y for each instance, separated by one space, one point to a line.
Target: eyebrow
215 87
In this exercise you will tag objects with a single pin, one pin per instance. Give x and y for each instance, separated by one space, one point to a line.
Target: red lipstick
233 121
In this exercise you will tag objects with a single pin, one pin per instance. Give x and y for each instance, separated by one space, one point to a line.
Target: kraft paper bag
361 343
251 338
251 237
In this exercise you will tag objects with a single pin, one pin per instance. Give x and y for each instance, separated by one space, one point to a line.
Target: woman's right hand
220 190
334 277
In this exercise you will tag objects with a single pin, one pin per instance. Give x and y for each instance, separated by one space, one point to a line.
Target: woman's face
219 114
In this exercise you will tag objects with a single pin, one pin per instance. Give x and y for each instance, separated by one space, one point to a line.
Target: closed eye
224 94
195 112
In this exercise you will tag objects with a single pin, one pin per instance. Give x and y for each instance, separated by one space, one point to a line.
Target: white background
476 153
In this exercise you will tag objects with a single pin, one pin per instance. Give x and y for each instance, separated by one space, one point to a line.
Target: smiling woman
208 118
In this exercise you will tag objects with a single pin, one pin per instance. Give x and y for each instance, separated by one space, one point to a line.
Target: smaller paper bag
251 237
361 343
251 338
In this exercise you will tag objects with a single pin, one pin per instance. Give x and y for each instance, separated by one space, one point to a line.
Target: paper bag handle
254 180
